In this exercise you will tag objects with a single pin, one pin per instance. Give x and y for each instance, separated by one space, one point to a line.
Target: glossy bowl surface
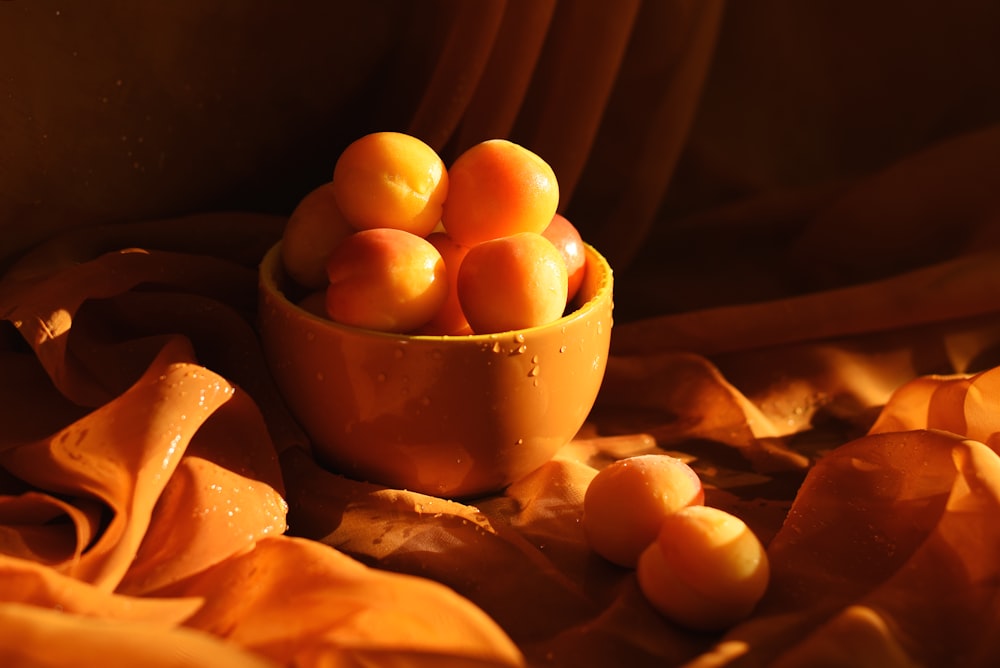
457 416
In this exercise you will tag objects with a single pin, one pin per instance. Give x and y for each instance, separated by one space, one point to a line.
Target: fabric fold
164 500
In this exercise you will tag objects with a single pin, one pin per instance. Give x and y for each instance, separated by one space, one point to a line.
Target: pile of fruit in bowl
442 330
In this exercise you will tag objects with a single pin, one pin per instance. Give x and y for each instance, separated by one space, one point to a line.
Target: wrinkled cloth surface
807 311
154 483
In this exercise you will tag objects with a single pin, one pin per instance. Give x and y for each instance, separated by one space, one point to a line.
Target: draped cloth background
800 203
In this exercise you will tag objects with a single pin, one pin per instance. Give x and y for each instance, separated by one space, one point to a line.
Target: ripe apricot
512 282
626 502
706 570
450 319
315 227
566 238
391 179
498 188
385 279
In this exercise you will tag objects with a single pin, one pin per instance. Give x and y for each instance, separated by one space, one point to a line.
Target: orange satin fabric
162 505
808 313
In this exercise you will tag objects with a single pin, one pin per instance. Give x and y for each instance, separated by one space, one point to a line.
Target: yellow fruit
391 179
513 282
706 570
498 188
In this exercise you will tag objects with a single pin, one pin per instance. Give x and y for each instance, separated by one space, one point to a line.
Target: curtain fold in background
610 86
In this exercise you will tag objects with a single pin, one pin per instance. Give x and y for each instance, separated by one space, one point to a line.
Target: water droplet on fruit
533 371
497 347
519 441
562 349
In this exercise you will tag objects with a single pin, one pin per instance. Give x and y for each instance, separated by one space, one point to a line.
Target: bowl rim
270 267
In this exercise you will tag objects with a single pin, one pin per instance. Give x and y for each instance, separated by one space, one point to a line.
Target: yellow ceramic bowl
456 416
